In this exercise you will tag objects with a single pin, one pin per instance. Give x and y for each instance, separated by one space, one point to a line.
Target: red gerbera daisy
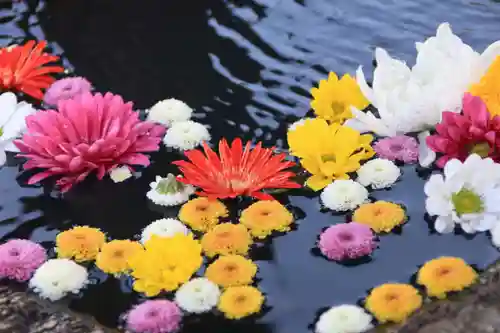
237 171
22 68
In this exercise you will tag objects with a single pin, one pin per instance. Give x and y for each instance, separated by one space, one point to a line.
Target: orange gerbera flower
22 68
236 171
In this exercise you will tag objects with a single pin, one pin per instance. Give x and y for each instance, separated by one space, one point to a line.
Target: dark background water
246 67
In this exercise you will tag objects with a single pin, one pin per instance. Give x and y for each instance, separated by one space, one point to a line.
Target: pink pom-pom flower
88 133
19 258
66 88
401 147
156 316
347 241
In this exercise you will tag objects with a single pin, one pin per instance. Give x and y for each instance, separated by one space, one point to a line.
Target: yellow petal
318 182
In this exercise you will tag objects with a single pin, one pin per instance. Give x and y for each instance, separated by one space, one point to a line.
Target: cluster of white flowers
344 319
58 277
378 173
168 191
198 295
120 174
186 135
343 195
164 228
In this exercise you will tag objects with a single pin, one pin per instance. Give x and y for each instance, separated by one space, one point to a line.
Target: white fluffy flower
168 191
120 174
164 228
198 295
378 173
58 277
343 195
169 111
186 135
344 319
468 195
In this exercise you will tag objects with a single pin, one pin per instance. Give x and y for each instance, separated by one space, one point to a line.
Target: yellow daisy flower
232 270
226 238
264 217
114 256
80 243
380 216
488 88
240 302
202 214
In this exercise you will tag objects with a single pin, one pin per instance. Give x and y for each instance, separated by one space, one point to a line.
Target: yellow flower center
482 149
118 254
466 201
328 158
240 299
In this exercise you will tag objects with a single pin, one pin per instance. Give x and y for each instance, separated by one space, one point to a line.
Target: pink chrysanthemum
157 316
66 88
19 258
401 147
347 241
88 133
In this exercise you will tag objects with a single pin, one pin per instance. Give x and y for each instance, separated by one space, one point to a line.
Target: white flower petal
495 235
120 174
444 224
425 155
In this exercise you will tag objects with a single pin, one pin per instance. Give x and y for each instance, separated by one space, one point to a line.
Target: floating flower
155 316
398 148
488 87
114 256
231 270
198 295
202 214
467 195
378 173
328 152
225 239
19 258
12 122
446 274
343 195
166 263
58 141
168 191
333 99
347 241
164 228
23 68
344 318
393 302
81 243
120 174
58 277
66 88
186 135
239 302
380 216
236 171
264 217
169 111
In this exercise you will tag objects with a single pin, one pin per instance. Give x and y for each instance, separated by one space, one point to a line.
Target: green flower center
482 149
467 202
1 131
169 185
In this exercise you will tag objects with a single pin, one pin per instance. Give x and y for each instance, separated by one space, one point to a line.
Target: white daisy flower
120 174
343 195
468 194
198 295
378 173
58 277
344 319
299 122
186 135
168 191
163 228
169 111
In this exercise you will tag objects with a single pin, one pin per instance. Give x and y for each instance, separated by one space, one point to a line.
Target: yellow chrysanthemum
80 243
446 274
380 216
488 88
328 152
240 302
202 214
393 302
114 256
264 217
232 270
226 238
166 263
333 99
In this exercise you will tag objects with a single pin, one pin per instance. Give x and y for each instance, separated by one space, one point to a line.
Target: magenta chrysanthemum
157 316
401 147
347 241
88 133
19 258
66 88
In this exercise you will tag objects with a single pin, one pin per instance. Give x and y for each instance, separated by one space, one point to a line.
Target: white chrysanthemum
468 195
120 174
344 319
343 195
186 135
169 111
58 277
164 228
198 295
299 122
378 173
168 191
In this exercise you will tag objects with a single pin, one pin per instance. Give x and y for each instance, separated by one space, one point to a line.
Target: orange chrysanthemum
202 214
232 270
22 68
80 243
226 238
236 171
264 217
381 216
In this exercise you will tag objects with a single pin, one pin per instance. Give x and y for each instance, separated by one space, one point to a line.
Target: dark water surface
246 67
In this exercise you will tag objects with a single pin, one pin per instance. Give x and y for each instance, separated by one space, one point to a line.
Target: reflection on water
247 67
